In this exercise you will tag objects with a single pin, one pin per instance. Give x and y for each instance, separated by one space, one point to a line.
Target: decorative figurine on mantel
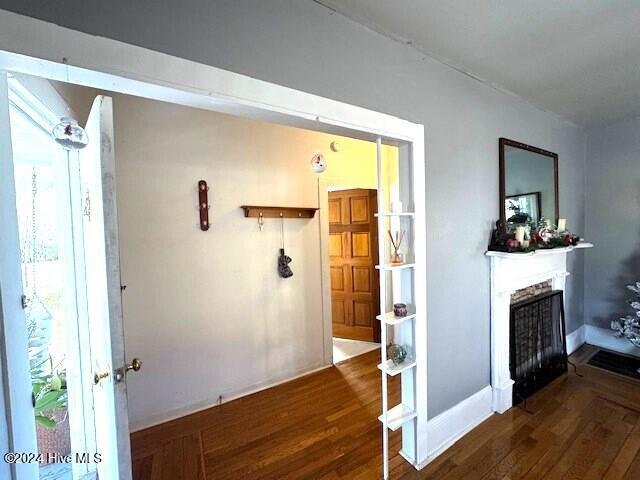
396 258
531 236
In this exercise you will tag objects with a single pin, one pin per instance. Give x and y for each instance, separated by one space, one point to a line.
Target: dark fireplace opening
538 347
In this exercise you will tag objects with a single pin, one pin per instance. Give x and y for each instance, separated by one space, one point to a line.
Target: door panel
360 244
338 312
353 251
335 244
362 314
19 432
360 209
104 303
337 279
335 210
361 279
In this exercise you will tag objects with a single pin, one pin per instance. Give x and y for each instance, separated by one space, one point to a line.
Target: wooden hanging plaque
203 203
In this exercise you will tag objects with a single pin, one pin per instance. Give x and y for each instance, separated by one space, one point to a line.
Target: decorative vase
396 353
397 259
400 309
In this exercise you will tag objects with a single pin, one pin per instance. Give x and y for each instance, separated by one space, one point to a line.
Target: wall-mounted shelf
390 318
397 416
257 211
391 266
395 214
392 370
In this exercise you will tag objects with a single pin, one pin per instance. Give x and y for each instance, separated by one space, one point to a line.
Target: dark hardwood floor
324 426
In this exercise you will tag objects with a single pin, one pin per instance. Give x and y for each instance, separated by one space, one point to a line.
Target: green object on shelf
396 353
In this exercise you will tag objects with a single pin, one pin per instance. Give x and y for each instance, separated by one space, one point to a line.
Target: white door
104 306
17 428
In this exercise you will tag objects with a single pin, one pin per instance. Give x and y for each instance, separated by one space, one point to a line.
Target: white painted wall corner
576 339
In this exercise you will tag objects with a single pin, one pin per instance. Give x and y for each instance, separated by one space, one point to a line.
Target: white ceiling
577 58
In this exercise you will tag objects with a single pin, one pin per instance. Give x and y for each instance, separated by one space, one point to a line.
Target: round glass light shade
69 134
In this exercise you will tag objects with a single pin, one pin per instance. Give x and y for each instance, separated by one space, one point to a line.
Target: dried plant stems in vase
396 241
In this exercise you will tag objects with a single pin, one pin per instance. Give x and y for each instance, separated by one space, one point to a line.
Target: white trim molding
576 339
450 426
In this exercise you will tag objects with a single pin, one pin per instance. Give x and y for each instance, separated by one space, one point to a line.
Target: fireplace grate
538 348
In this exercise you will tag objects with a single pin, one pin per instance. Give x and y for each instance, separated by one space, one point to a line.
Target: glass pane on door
42 203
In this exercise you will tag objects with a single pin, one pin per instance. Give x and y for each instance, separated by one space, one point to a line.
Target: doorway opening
350 223
353 255
360 123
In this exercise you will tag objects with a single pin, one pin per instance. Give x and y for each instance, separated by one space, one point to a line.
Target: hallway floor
324 426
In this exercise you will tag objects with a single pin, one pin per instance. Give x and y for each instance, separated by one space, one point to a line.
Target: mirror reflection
529 186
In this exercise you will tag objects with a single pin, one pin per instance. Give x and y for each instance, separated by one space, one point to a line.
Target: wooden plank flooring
324 426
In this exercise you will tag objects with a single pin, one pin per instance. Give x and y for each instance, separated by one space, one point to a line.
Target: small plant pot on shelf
400 309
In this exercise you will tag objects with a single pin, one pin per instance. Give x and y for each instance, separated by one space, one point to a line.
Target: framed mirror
528 184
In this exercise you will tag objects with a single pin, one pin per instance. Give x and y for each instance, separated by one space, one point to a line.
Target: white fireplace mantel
511 272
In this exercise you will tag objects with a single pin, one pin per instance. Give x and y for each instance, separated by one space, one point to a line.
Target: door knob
135 365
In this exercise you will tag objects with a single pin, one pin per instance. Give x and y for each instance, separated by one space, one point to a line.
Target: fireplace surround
511 272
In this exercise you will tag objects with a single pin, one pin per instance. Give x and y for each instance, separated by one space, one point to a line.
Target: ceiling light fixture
69 135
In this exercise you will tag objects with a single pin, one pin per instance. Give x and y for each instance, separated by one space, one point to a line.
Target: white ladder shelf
397 285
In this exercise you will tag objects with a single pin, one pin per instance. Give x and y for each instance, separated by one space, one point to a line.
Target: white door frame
43 49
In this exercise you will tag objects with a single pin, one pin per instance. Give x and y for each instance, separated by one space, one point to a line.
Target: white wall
613 206
301 44
206 311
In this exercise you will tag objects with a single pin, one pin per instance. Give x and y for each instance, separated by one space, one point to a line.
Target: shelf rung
390 318
398 416
390 267
390 369
395 214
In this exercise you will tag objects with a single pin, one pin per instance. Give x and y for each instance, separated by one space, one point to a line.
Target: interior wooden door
110 421
353 253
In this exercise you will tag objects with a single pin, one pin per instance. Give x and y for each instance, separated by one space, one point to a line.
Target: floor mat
614 362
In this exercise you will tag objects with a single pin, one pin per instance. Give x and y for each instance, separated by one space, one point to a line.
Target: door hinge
24 301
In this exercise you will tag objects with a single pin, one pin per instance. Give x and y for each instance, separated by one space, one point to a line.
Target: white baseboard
605 338
451 425
195 408
448 427
576 339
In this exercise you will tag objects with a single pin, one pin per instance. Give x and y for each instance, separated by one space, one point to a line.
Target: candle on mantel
520 234
562 224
